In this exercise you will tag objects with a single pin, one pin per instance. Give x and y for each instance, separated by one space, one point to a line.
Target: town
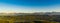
37 17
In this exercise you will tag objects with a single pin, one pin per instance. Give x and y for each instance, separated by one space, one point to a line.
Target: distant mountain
49 13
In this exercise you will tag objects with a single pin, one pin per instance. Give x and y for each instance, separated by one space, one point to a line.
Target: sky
29 6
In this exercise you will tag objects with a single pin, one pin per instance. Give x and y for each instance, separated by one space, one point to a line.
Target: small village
29 18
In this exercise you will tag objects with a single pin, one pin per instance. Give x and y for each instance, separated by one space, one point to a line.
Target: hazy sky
29 5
